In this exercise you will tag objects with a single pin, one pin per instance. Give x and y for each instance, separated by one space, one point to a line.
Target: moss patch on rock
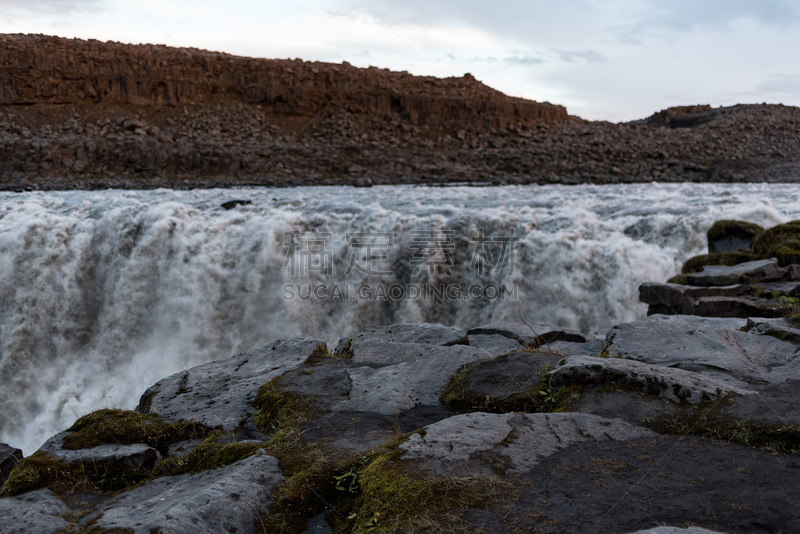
44 471
128 427
696 264
728 227
540 397
280 411
214 452
705 421
781 241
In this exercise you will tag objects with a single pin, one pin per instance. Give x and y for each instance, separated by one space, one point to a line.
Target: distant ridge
77 114
39 69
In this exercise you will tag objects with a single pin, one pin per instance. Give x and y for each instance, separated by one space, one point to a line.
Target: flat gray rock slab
523 334
416 380
523 439
494 344
721 275
135 455
35 511
220 393
9 456
714 346
429 333
220 500
673 295
776 327
744 306
676 385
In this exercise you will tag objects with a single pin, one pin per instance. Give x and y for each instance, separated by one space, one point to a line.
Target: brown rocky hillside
86 114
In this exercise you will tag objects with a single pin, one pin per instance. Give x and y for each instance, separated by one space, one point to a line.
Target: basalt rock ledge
671 424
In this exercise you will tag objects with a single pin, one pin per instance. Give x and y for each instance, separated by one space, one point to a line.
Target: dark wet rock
137 455
417 380
669 299
785 289
752 271
502 383
9 456
522 439
362 181
676 385
525 336
778 328
434 334
781 241
744 306
730 236
225 499
713 346
230 204
381 412
36 511
220 393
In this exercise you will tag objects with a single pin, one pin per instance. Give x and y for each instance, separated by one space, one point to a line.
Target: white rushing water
103 293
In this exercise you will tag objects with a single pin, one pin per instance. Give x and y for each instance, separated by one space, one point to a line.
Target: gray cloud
620 21
589 56
523 60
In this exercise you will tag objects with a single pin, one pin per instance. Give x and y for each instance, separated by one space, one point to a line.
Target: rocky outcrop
86 114
39 69
410 425
754 276
9 456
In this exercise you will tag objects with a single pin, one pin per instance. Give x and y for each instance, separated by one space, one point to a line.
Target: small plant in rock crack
550 393
348 481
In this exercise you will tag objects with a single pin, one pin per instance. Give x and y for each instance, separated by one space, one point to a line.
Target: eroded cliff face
85 114
39 69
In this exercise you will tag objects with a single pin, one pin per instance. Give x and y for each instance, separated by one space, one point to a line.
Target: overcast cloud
613 60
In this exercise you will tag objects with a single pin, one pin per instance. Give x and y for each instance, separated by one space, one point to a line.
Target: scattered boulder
226 499
230 204
418 377
36 511
744 306
732 236
522 439
9 456
433 334
137 455
715 347
221 393
524 334
674 384
752 271
781 242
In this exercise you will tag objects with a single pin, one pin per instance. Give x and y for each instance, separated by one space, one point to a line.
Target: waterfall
105 292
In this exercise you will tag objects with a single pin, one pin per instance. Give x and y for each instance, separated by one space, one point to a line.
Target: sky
614 60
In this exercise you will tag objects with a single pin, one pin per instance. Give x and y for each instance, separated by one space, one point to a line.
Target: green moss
44 471
310 489
395 498
779 241
705 421
696 264
542 397
728 227
679 279
210 454
279 412
128 427
319 355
